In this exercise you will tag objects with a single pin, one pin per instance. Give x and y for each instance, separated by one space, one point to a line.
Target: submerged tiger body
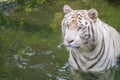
93 45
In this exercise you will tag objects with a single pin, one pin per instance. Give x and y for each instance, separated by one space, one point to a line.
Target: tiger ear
93 14
67 9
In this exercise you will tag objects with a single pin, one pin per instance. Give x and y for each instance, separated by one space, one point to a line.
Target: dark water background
30 35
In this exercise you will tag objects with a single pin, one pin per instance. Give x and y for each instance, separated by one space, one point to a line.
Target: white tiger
93 45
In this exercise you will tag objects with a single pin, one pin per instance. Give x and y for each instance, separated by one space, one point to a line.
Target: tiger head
77 28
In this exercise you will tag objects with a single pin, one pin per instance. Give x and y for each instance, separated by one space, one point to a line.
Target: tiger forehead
73 23
75 17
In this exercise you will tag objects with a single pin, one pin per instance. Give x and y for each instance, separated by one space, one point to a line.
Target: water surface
30 35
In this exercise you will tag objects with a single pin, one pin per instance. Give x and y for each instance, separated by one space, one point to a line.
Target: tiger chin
93 45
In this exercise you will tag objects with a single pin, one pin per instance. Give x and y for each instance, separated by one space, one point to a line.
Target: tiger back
93 45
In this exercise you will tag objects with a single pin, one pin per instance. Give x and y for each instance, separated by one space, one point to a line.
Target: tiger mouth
76 47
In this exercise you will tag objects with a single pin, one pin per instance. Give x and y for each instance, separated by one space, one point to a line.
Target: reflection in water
64 70
51 69
22 62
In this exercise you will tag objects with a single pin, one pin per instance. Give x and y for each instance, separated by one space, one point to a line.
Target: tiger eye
79 18
79 28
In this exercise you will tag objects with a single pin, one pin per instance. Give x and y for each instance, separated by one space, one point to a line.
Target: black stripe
81 15
101 51
84 28
93 32
76 61
90 59
106 57
107 65
79 58
114 45
82 61
89 31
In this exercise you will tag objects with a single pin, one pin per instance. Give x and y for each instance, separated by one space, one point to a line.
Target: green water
30 36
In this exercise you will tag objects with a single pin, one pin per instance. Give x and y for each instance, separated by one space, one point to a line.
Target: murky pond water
29 45
30 35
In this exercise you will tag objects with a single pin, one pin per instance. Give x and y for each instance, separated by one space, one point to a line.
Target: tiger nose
69 40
